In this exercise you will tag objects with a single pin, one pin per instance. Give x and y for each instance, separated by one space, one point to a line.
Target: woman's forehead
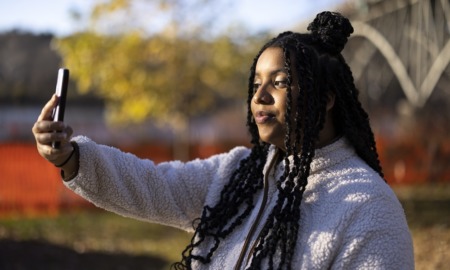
272 59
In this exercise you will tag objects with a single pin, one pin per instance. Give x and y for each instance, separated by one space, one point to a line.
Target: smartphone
61 92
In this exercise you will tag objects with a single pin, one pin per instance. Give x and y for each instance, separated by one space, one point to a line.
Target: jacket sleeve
171 193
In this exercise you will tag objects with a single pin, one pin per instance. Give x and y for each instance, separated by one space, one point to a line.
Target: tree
169 75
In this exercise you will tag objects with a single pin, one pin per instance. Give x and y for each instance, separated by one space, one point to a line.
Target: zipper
258 217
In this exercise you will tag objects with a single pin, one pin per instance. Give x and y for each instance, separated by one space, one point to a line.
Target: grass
99 232
101 240
427 210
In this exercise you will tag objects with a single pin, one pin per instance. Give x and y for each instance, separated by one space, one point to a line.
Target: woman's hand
46 131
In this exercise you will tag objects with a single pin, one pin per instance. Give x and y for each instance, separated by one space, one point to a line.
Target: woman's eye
281 84
256 86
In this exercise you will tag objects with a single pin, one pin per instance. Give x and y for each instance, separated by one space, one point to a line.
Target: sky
52 16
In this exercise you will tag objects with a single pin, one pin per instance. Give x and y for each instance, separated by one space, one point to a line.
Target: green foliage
168 76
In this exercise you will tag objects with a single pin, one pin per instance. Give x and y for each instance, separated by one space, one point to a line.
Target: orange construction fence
29 185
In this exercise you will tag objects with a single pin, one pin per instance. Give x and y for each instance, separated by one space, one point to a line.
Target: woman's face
269 100
270 93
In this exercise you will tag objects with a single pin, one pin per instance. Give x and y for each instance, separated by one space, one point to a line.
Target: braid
279 235
350 118
321 70
244 183
329 34
364 140
234 205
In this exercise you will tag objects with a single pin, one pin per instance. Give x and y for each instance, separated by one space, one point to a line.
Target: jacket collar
331 155
324 157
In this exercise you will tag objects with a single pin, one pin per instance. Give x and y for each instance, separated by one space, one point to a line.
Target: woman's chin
271 139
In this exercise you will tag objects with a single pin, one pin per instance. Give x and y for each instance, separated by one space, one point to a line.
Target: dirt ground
431 248
428 215
40 255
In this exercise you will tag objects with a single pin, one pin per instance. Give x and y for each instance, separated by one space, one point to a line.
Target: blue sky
53 15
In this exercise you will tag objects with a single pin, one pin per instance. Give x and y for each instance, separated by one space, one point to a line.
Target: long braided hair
322 71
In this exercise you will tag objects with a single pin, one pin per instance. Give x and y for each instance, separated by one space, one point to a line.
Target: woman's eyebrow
273 72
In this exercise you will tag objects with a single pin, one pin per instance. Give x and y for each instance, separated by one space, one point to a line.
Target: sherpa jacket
350 218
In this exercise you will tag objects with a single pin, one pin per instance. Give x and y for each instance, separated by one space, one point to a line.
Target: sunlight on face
269 101
270 98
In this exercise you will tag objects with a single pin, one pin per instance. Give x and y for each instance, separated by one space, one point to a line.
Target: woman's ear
331 97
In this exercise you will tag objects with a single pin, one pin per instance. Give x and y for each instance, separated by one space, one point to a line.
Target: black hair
316 60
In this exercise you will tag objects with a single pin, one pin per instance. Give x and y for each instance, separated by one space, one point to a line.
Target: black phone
61 91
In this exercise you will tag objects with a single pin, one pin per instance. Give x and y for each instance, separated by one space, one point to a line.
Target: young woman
309 194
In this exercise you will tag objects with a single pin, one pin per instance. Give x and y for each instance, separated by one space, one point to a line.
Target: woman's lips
262 117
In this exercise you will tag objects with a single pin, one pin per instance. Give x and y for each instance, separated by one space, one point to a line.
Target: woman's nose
262 96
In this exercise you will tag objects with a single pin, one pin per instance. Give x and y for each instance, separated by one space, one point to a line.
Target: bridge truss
400 51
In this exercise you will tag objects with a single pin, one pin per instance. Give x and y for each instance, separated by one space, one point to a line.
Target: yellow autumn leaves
162 76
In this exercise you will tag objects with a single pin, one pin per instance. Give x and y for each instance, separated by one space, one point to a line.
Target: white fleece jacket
350 218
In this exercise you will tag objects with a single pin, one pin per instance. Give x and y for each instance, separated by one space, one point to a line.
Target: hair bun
331 30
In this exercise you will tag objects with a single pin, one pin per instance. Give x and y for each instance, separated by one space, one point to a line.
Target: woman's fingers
47 111
52 135
69 132
48 126
46 132
55 156
45 139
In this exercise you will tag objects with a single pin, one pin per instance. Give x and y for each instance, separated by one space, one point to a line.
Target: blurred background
167 79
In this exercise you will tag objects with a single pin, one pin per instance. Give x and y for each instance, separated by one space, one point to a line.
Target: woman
309 194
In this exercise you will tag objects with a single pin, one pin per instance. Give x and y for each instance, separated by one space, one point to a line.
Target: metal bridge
400 44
